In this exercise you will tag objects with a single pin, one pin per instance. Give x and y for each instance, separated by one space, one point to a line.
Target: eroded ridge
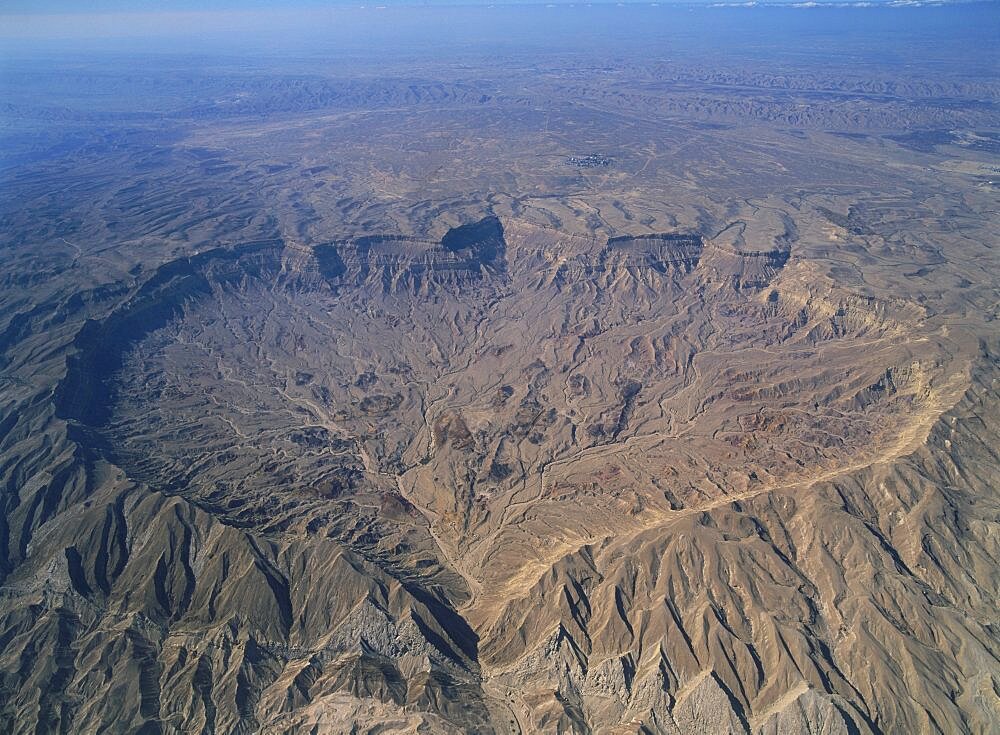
631 372
473 403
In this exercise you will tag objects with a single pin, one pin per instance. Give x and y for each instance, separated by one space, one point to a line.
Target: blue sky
30 22
118 6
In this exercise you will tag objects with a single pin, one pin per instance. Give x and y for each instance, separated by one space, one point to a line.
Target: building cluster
594 160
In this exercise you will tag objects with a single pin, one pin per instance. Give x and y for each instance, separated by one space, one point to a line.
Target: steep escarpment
100 345
390 264
464 253
662 253
508 481
225 569
456 375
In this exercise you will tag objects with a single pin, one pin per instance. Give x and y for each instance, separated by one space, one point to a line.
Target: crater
300 389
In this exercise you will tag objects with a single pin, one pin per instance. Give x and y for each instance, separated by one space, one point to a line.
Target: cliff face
508 481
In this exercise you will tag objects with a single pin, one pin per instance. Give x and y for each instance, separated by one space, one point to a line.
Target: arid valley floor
504 390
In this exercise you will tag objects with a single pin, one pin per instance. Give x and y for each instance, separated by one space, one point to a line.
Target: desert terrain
504 390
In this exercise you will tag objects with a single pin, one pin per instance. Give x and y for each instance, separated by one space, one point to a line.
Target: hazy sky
100 6
27 26
116 6
103 6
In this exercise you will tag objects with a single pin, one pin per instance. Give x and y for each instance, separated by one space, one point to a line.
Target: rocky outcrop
288 487
395 264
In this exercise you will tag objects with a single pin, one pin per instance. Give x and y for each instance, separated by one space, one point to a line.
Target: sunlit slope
509 480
